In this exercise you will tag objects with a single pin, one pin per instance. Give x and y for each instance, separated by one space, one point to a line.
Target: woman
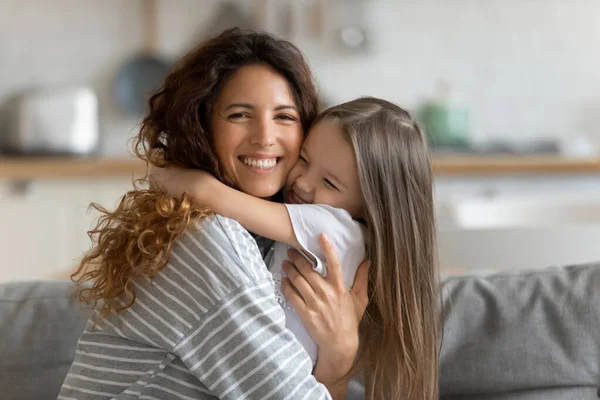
184 304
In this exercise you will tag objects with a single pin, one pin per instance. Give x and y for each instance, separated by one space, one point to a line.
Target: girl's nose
303 184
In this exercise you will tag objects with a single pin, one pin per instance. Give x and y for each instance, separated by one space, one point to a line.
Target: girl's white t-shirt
309 221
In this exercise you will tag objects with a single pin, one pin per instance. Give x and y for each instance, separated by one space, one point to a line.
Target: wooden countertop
21 168
70 168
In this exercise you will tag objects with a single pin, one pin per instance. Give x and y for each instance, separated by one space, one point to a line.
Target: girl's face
326 172
256 130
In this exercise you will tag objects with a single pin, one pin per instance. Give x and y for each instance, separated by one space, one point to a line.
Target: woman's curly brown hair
135 240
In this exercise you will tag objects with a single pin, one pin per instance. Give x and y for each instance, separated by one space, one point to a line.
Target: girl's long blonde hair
399 334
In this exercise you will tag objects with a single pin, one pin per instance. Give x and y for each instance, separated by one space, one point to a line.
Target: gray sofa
521 335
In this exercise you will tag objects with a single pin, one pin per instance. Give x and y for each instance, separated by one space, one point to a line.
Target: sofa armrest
40 322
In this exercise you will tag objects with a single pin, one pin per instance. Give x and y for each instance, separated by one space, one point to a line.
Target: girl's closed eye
330 185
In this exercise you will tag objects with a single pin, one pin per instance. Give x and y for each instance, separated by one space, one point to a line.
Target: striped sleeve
240 348
206 326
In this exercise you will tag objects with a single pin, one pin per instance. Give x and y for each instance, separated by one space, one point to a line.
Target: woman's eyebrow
252 107
240 105
286 107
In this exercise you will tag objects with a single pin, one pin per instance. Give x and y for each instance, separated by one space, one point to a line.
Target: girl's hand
196 183
329 310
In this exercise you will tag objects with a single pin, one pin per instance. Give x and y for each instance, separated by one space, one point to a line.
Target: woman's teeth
262 163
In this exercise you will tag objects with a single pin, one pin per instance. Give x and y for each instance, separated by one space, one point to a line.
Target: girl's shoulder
319 218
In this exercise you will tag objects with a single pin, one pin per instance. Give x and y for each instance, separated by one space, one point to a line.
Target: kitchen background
509 90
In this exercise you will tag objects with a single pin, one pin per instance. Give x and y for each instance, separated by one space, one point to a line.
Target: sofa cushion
528 335
525 333
575 393
40 323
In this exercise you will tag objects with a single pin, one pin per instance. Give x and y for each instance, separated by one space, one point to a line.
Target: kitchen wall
526 68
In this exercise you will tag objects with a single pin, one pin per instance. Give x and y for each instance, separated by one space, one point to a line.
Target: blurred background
508 90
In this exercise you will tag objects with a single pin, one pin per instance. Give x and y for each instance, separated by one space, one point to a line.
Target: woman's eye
286 117
302 159
238 116
329 184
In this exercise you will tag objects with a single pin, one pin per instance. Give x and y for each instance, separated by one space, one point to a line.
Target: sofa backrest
532 334
524 335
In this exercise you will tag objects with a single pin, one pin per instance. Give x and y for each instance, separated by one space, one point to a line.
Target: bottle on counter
446 118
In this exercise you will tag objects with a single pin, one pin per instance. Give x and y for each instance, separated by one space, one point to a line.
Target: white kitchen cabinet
32 237
510 248
453 193
525 210
43 229
456 187
504 222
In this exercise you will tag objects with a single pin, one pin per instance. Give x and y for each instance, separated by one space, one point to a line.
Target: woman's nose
264 133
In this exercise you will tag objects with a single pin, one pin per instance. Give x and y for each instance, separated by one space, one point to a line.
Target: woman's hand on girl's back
330 312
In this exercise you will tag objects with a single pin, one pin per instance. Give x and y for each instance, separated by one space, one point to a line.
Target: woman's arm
238 347
213 308
263 217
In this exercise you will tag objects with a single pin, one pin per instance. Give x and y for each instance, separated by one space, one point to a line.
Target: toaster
51 122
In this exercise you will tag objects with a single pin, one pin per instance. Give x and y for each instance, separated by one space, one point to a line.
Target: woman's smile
261 163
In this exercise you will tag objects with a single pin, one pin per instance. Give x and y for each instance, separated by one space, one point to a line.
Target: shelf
98 168
69 168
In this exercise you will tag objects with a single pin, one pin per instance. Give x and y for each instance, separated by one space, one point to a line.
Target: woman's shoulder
217 244
218 226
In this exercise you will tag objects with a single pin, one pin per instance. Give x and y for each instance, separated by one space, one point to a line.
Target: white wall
528 68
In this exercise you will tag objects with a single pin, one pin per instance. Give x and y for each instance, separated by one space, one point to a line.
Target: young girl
364 178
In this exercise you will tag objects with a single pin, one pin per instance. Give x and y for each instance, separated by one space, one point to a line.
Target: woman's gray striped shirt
207 326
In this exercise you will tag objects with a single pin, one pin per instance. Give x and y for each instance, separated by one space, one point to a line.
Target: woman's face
256 130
